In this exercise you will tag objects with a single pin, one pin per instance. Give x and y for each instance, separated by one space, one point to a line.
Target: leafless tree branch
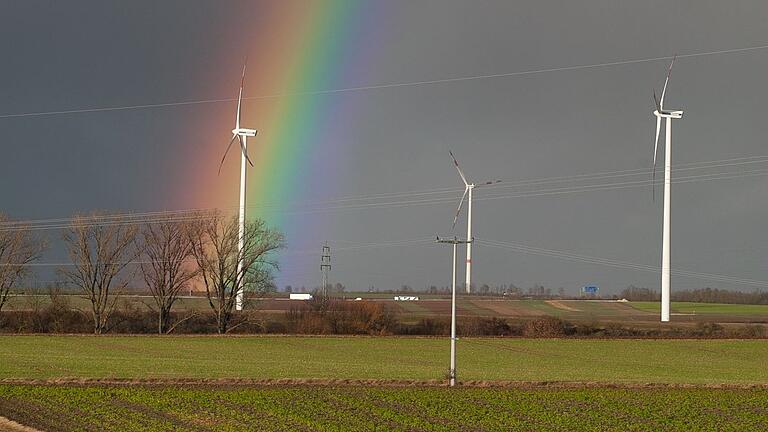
99 253
167 269
215 248
18 248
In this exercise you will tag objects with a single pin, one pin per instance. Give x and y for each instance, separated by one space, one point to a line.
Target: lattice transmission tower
325 268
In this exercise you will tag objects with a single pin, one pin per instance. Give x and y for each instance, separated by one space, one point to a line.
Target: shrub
477 326
709 329
546 326
750 331
341 317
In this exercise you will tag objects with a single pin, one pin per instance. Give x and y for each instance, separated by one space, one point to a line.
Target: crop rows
379 408
608 361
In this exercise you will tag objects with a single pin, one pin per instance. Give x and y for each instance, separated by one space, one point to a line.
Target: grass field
569 407
634 313
609 361
384 409
706 308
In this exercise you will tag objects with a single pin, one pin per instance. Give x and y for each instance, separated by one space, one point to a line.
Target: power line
571 256
632 172
191 214
557 191
106 219
629 184
375 245
165 214
383 86
559 179
516 247
545 180
120 219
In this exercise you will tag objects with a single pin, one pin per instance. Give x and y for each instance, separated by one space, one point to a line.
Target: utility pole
325 267
453 241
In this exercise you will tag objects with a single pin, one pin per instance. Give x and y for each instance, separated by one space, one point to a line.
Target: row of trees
168 253
702 295
511 290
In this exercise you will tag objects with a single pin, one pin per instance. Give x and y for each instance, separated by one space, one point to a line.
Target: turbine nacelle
245 132
467 187
238 133
668 114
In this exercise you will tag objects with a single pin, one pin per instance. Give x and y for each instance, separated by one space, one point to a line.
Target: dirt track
7 425
244 382
560 305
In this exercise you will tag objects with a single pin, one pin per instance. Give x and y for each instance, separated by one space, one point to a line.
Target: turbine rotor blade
240 95
245 151
239 99
458 210
227 151
656 101
666 81
655 153
242 77
488 183
456 164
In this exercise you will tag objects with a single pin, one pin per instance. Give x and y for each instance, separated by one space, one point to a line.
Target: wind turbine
468 188
241 134
660 113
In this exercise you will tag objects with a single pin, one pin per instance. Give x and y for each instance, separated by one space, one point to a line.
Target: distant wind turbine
468 187
660 113
241 134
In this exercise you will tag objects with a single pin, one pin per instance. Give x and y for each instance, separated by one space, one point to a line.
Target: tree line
701 295
169 253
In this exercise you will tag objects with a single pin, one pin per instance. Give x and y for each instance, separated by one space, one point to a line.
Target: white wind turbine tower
468 188
660 113
240 134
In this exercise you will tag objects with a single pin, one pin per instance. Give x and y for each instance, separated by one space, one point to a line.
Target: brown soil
509 309
560 305
246 382
7 425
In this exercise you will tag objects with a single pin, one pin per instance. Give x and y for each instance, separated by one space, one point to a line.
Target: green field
706 308
226 406
610 361
384 409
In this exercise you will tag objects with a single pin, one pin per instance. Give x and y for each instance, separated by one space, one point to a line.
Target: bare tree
18 248
215 248
100 249
166 270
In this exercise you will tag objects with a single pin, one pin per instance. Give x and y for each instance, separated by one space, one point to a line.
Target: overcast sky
75 54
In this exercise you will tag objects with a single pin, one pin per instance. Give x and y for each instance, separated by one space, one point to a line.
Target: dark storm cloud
62 55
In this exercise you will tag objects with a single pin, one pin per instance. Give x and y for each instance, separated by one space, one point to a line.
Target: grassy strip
372 408
375 358
758 311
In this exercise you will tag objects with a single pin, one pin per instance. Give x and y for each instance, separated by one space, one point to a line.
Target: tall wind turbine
660 113
241 134
468 188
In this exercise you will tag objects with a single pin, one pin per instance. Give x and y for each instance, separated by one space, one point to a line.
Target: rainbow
298 48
